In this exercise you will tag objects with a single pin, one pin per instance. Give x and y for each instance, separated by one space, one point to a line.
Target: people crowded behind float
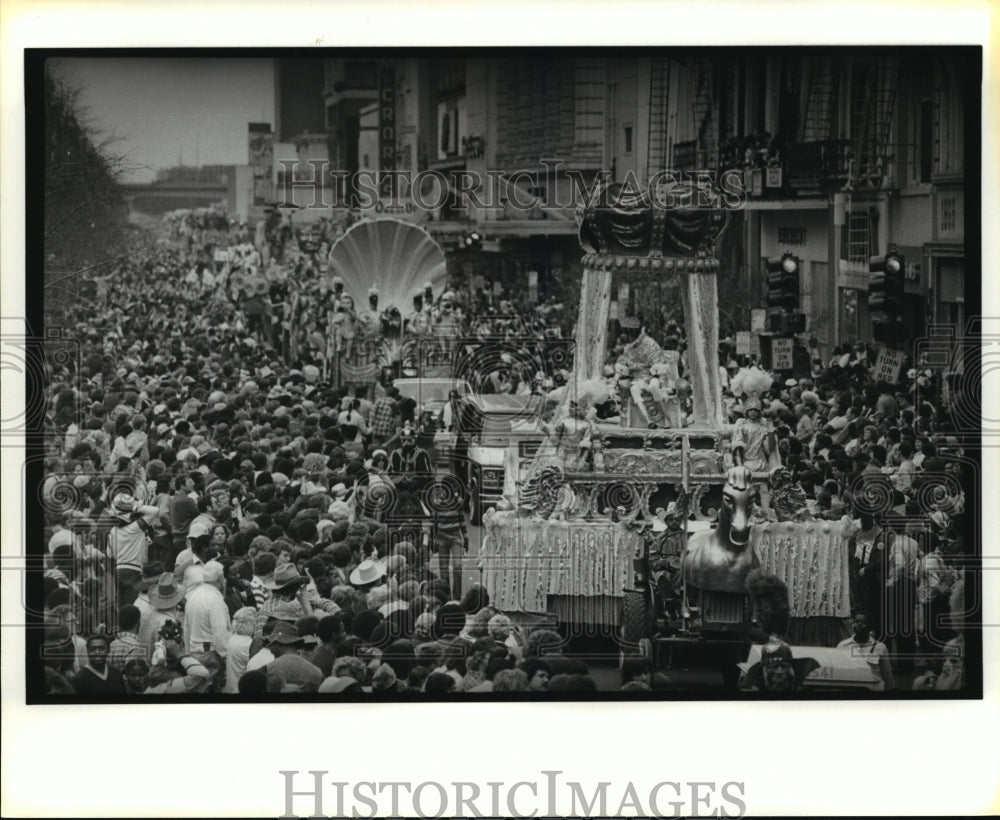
198 466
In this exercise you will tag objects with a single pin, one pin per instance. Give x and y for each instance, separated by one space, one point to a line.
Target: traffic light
783 282
885 287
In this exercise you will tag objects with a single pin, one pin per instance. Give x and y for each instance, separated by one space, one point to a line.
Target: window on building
950 119
627 142
925 151
450 77
859 238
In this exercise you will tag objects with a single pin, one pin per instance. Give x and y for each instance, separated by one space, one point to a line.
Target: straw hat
167 593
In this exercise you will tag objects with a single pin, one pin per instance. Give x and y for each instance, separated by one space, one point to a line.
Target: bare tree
86 214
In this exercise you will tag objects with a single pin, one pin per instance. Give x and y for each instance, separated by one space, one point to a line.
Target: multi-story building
841 154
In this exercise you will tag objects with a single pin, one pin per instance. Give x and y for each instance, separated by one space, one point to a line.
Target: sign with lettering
791 236
743 342
758 320
888 365
386 123
781 353
773 179
950 217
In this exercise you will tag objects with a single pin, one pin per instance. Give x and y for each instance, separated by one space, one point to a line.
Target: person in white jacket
128 543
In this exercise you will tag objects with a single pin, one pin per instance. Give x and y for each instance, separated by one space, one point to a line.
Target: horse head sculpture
734 514
720 559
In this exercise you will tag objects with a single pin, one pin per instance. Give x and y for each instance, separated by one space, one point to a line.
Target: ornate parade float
644 521
401 272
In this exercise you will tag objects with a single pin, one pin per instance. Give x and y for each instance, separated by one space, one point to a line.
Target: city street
692 351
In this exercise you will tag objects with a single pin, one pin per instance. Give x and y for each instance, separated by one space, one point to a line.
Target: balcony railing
822 164
686 155
773 171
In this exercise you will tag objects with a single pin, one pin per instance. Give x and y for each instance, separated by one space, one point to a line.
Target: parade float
389 305
645 523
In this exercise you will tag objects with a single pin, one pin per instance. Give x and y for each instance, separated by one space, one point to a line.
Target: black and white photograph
545 372
535 376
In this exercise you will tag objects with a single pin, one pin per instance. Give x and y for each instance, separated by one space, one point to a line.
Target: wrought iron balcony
822 164
686 156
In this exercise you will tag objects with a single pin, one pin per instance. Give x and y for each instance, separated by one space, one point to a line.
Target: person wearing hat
416 323
128 543
370 321
290 599
367 574
197 554
410 470
164 599
151 572
290 672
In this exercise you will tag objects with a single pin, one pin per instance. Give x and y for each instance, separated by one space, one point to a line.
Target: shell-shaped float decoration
394 256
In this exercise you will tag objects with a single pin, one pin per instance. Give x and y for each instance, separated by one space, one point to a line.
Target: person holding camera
173 671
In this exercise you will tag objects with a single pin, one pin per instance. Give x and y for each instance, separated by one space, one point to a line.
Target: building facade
841 155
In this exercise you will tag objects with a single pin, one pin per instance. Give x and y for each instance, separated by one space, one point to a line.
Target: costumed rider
369 321
572 444
753 441
343 320
449 322
410 470
417 323
655 396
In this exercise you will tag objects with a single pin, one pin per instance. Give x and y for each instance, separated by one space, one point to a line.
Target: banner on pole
758 320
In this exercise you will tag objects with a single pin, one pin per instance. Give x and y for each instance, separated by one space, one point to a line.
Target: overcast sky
167 109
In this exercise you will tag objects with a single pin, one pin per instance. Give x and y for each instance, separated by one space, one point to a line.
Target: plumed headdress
751 381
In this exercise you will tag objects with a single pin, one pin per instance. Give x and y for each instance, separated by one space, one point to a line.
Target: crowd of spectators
212 512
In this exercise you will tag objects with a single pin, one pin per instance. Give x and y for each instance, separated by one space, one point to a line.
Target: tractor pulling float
646 524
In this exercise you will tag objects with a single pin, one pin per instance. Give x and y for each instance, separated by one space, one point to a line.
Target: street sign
888 365
781 353
743 342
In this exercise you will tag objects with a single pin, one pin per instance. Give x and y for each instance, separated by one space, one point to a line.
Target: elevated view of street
555 374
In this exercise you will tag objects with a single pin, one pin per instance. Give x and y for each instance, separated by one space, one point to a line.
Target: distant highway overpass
159 197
